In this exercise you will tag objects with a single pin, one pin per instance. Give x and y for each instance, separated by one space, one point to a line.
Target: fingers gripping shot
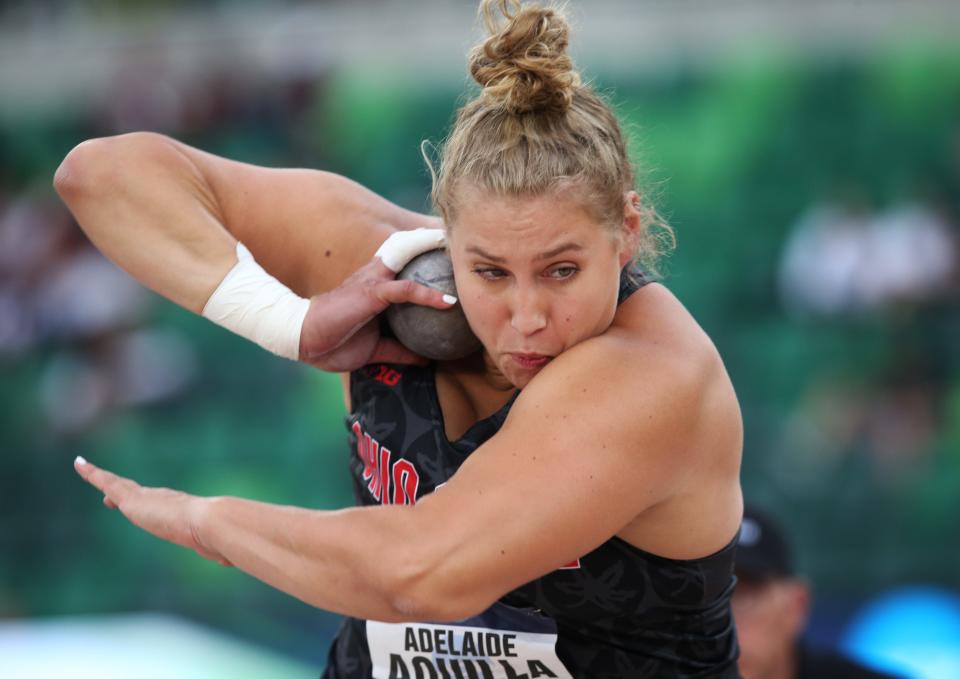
443 335
547 444
439 334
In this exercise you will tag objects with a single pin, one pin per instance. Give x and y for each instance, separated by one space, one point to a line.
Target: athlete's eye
563 272
489 273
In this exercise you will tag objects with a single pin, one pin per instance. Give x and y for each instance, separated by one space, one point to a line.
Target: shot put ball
439 334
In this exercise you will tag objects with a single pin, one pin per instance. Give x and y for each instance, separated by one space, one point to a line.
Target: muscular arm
170 215
583 452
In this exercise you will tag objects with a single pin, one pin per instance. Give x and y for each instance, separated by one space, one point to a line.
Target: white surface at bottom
141 646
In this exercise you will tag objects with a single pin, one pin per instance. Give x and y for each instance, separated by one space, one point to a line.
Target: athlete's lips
530 360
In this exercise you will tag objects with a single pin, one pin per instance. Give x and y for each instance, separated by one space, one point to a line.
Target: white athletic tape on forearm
403 246
255 305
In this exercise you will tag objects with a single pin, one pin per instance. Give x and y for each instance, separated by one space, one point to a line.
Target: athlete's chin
521 377
520 381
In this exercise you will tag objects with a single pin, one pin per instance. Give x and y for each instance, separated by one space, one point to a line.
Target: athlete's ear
632 228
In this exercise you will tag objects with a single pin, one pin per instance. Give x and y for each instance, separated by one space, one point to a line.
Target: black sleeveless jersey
617 612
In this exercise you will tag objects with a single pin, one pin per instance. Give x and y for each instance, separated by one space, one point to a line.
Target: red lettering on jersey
387 376
378 470
384 484
405 483
369 456
363 450
372 451
358 432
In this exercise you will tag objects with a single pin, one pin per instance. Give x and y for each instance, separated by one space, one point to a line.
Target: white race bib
414 650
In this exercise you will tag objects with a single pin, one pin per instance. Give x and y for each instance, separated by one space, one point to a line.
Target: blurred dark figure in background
771 605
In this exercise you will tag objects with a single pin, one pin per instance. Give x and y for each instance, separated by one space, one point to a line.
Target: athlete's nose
529 314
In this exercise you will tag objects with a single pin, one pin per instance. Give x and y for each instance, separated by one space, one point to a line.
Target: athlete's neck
479 367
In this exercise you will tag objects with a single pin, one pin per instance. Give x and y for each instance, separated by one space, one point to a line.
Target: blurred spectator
57 291
910 256
771 605
82 384
33 231
891 420
841 259
822 258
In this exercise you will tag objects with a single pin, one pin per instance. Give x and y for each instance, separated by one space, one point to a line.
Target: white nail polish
449 299
79 460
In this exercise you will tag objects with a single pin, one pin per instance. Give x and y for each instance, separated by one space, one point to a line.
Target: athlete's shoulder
654 371
653 325
678 369
622 372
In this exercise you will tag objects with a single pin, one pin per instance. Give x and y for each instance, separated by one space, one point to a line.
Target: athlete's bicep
583 452
309 228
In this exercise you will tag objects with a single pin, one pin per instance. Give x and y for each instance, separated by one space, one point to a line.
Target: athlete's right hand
341 331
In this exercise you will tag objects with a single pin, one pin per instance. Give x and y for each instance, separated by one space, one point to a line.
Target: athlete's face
536 275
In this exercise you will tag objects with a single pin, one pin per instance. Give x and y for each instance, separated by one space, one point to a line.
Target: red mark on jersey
379 472
382 487
405 483
363 446
385 375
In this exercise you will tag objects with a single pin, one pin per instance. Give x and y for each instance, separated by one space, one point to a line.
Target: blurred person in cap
771 605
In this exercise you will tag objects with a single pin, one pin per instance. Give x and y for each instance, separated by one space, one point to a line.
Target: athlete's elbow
415 607
95 165
422 590
433 606
86 169
71 176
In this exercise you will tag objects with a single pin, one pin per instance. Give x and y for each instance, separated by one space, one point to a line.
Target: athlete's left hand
169 514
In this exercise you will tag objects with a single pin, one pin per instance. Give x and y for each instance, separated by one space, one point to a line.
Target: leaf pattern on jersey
433 469
627 667
599 591
678 583
384 428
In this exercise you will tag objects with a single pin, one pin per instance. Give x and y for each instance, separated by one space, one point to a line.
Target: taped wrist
253 304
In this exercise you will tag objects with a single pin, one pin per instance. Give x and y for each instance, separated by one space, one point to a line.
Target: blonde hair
536 127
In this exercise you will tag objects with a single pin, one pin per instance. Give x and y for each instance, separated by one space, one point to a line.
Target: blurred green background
812 177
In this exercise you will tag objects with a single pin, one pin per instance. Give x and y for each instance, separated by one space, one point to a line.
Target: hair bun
524 65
